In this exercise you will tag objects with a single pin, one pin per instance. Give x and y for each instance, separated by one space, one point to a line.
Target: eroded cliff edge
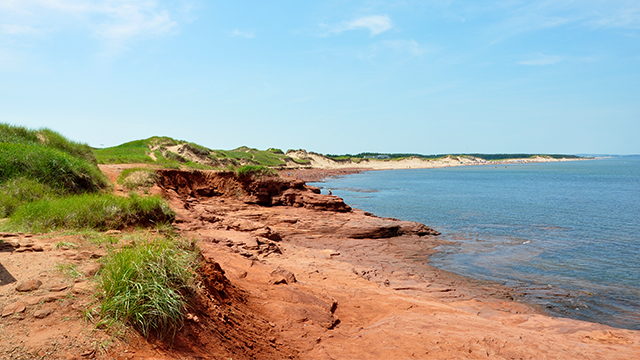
297 274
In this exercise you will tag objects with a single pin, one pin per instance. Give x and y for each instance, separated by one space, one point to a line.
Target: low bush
143 285
90 211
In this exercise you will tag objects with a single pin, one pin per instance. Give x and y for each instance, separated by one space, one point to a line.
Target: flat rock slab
16 307
42 313
29 285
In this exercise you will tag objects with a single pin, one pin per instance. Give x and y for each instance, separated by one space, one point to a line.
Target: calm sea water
565 235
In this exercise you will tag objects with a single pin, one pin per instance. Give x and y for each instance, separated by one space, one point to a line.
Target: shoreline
322 167
388 302
317 161
558 300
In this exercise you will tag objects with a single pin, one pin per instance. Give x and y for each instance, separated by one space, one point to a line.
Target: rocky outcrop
264 191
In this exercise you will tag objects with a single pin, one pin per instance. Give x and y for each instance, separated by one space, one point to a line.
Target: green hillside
168 152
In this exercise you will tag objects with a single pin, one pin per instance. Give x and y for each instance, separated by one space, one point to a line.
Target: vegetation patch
42 164
154 151
254 171
143 285
128 153
16 192
90 211
45 137
138 178
50 167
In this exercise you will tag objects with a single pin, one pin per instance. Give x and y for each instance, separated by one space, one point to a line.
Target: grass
65 245
138 178
254 171
89 211
41 164
45 137
16 192
143 285
128 153
69 270
50 167
139 151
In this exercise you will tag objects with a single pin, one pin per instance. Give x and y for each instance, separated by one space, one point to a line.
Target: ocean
564 235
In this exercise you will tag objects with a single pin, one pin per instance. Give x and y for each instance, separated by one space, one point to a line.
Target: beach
289 273
341 287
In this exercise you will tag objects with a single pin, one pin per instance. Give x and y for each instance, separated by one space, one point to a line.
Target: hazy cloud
376 24
114 20
13 29
410 46
243 33
541 59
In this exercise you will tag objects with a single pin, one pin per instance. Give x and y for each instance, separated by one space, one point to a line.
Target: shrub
143 285
90 211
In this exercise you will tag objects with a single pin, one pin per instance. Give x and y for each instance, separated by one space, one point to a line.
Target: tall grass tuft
90 211
143 285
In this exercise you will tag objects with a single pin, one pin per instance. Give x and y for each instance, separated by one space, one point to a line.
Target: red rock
14 308
29 285
42 313
282 276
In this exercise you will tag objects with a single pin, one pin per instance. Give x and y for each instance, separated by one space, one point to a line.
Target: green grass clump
138 178
53 168
254 171
143 285
90 211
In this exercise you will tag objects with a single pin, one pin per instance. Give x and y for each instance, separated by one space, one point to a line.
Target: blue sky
329 76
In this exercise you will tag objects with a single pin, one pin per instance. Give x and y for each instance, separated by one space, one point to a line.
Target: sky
429 77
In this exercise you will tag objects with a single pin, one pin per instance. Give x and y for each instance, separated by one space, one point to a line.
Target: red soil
289 273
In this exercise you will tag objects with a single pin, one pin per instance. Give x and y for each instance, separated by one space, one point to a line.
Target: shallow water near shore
564 235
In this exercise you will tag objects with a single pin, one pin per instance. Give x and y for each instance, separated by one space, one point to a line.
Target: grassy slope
42 164
139 151
48 182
